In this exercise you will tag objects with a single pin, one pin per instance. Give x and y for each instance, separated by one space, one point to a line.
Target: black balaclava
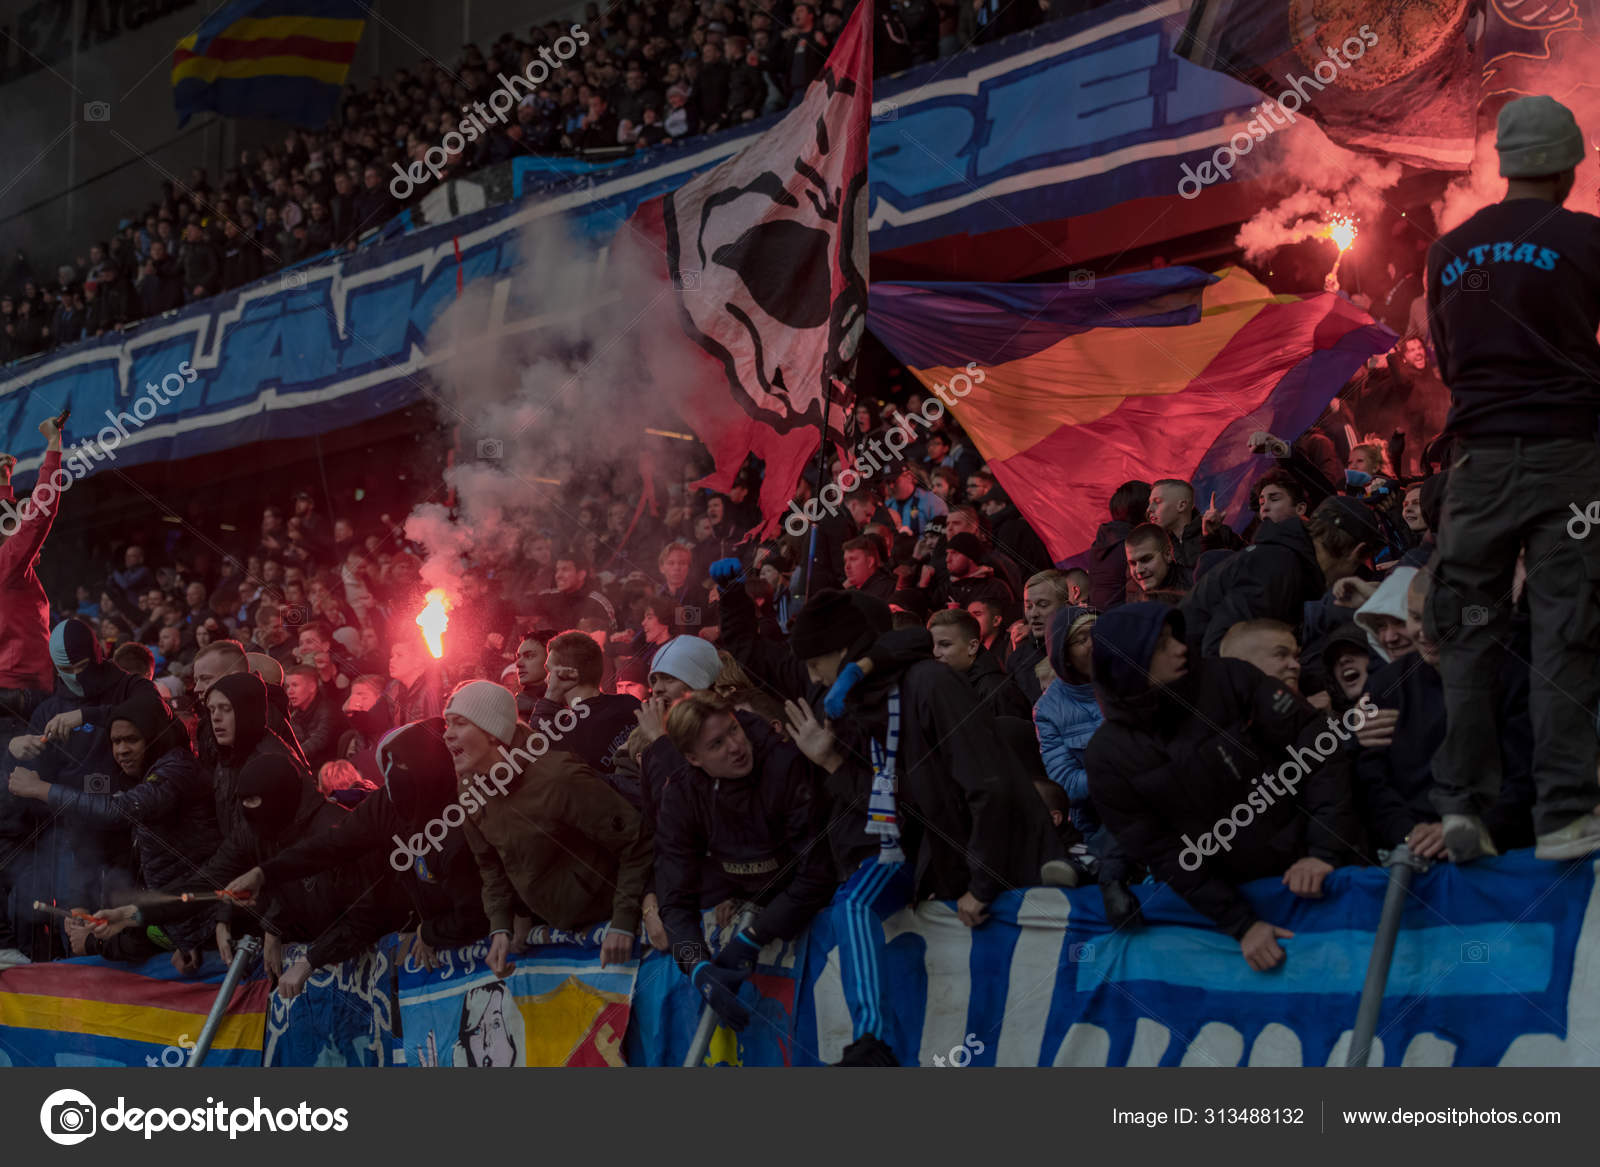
277 781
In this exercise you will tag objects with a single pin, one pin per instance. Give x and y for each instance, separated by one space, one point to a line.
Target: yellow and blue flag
284 59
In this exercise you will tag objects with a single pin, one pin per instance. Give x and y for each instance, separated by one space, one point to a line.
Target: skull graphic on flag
768 252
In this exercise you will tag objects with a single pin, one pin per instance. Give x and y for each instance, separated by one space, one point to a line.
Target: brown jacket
561 840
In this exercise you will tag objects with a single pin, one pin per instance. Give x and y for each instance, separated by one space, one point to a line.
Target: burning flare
1343 233
433 620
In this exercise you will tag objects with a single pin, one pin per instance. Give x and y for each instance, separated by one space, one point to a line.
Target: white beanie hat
488 706
690 659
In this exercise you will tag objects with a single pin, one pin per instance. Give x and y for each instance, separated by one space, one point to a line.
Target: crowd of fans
646 718
650 72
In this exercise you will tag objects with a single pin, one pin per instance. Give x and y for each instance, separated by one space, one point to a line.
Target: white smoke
1312 181
540 374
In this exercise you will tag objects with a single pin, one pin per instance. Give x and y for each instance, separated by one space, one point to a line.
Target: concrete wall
86 117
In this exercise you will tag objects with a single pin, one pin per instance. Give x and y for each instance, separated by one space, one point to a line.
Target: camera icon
686 281
1474 952
292 279
68 1117
97 111
1080 278
1476 280
491 449
685 951
294 614
1475 615
890 112
1080 953
688 616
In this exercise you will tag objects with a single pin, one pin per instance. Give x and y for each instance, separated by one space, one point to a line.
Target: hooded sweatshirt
251 738
1389 600
1173 762
1273 577
171 812
419 782
1066 717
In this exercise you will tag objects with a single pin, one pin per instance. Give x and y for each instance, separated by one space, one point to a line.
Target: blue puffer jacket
1066 717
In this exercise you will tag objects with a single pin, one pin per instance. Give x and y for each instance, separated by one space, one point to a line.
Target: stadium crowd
646 718
647 73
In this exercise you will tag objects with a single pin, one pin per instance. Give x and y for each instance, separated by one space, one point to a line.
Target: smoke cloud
541 373
1314 181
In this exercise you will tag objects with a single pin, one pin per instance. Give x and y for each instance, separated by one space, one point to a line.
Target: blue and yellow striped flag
284 59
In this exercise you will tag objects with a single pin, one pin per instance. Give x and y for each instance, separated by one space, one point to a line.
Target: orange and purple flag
1070 390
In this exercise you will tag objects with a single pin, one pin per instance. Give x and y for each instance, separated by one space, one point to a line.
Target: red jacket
24 609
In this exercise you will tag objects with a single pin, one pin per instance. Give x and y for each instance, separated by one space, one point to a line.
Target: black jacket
764 838
317 729
996 689
1393 782
970 819
445 892
1108 565
1170 764
1192 541
1273 577
1020 667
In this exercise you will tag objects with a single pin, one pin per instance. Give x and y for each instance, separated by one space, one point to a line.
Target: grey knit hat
1538 136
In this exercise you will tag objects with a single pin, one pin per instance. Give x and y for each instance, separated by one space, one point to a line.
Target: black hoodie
252 738
419 781
1273 578
970 819
1171 763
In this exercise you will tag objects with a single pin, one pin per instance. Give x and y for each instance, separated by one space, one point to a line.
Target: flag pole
822 469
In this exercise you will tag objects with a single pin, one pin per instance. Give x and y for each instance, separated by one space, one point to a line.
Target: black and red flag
765 261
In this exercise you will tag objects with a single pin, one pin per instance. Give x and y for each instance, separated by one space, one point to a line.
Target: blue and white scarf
883 817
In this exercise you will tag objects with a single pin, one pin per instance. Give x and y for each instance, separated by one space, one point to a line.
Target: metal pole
1403 867
243 954
708 1015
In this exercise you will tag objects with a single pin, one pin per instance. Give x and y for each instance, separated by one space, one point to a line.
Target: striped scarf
883 818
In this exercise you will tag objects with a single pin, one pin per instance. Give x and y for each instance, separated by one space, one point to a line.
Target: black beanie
834 619
968 544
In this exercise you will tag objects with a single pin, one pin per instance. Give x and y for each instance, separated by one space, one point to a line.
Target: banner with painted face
558 1007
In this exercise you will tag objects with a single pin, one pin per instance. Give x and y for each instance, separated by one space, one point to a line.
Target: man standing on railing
1514 301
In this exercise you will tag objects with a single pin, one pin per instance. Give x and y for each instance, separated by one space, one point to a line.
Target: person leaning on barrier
170 810
749 804
418 783
546 830
1189 773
